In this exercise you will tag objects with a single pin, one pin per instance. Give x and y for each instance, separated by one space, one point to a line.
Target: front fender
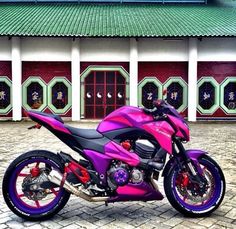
192 154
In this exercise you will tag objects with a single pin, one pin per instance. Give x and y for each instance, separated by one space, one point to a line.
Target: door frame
101 68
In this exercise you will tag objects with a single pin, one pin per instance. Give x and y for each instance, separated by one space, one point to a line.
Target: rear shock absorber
71 166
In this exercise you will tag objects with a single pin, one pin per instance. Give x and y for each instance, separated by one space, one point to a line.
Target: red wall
47 71
163 70
84 65
5 70
218 70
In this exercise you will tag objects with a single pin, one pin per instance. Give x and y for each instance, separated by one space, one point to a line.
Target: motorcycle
122 160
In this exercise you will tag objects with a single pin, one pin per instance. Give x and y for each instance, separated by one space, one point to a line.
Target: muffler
56 178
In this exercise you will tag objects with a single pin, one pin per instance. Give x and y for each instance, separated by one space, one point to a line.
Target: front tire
192 205
33 205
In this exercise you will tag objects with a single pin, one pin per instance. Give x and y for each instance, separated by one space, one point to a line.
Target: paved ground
218 139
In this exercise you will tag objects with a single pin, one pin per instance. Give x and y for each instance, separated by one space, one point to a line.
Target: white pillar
75 79
16 79
133 72
192 80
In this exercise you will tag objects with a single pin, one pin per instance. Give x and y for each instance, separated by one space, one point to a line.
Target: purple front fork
194 155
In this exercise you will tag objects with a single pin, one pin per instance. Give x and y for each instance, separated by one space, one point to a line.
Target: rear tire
205 209
15 201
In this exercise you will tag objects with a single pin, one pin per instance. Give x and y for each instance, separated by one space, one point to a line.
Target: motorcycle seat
84 133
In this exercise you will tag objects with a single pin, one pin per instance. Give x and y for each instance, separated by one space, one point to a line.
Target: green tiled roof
116 20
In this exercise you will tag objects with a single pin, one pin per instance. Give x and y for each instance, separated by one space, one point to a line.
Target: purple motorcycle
122 160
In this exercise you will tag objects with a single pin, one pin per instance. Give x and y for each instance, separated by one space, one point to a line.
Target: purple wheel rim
20 204
215 197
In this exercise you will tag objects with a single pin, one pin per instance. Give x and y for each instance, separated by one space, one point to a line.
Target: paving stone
3 226
105 221
72 226
5 214
14 224
5 219
36 226
216 227
207 222
123 224
168 214
225 225
180 226
111 226
51 224
224 219
121 217
225 208
66 222
28 223
139 221
173 222
192 225
231 214
85 224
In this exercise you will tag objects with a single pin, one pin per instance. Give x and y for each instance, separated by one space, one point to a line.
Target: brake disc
192 194
32 189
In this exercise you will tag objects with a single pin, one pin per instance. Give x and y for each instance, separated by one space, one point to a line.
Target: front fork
190 159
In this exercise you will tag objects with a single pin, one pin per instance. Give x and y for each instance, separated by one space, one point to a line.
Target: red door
105 91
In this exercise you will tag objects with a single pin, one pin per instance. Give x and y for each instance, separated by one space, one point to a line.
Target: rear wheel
24 187
188 198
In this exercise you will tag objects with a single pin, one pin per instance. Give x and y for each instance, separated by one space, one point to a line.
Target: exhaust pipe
56 178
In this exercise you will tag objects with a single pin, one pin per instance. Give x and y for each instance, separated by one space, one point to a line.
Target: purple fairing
130 191
19 203
117 152
50 121
163 132
126 116
182 130
113 151
100 162
142 191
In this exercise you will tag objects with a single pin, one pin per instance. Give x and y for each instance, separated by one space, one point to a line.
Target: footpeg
156 165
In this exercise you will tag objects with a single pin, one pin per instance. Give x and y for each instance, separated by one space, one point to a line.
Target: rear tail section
50 121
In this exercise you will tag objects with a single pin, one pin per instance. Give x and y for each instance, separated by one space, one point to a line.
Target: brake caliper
182 180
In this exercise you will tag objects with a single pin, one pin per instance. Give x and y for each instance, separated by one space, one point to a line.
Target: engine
137 176
120 174
145 149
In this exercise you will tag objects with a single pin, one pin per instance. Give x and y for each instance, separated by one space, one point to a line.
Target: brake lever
36 126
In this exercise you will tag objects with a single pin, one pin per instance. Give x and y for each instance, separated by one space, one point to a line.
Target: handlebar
157 111
147 111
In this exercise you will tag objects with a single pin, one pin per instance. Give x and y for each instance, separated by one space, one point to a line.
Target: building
84 60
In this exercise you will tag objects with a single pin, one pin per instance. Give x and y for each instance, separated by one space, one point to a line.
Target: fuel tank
124 117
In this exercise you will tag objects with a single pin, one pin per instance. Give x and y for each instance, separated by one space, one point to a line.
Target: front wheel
188 198
26 189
